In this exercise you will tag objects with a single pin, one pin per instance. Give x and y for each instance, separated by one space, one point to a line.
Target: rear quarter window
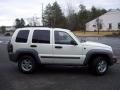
22 36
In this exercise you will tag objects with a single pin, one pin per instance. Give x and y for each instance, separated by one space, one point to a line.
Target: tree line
19 23
53 16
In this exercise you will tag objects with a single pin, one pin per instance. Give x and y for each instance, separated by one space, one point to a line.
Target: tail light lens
10 47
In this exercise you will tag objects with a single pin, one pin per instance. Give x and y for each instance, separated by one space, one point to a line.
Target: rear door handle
33 45
59 47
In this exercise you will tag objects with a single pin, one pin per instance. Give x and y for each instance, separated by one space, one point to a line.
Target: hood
95 44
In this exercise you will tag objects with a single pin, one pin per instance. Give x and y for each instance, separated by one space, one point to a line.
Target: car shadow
58 69
61 70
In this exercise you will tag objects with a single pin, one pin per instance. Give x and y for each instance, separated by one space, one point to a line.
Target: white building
109 21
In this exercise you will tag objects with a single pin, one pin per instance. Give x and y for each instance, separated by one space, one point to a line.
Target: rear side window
41 36
22 36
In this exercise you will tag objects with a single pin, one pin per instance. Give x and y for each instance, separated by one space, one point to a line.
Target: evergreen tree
53 16
19 23
83 17
3 29
47 16
96 12
22 22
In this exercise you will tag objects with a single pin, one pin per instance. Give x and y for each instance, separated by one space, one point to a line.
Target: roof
112 11
44 28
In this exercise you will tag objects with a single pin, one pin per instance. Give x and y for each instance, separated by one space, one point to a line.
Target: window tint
94 26
62 38
41 36
118 25
110 25
22 36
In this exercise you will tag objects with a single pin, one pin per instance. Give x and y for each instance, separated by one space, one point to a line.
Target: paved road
55 77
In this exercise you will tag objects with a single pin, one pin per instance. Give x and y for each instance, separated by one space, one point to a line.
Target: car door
65 49
41 42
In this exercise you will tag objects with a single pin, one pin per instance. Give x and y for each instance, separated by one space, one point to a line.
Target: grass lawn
101 33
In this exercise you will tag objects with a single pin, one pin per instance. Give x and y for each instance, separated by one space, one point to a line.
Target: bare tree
71 17
33 21
98 24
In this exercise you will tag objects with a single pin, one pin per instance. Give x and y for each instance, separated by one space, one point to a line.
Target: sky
12 9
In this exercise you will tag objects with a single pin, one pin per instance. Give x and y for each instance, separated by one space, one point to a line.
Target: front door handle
59 47
33 45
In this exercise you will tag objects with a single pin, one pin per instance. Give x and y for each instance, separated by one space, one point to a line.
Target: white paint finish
19 45
89 43
112 17
42 48
50 50
67 50
94 45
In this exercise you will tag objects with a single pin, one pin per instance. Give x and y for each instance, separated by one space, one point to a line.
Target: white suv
39 45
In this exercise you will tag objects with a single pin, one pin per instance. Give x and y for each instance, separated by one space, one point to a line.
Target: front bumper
114 59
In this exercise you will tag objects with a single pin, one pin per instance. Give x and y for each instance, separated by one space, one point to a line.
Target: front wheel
99 66
26 64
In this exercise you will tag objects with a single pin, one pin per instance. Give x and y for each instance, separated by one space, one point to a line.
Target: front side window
118 25
22 36
62 38
41 36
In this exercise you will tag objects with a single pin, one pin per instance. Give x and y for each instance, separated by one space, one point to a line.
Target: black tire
99 66
26 64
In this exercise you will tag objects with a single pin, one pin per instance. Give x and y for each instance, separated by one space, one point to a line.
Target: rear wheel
26 64
99 66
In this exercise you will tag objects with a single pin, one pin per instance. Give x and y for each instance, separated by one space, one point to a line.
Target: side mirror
73 42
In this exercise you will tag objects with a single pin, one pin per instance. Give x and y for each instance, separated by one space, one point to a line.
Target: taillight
10 47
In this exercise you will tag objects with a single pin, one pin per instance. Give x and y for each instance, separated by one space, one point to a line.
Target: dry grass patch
101 33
